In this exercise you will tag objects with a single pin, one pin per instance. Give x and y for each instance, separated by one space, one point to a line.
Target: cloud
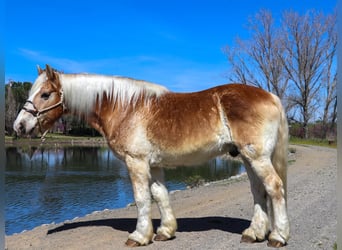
59 63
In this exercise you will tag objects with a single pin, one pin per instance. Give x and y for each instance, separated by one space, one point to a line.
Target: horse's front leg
140 178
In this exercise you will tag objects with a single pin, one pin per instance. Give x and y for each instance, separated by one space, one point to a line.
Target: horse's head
44 105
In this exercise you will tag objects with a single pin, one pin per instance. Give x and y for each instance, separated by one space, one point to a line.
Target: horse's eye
45 96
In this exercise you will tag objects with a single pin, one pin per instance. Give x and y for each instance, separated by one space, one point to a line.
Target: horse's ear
53 76
49 72
40 71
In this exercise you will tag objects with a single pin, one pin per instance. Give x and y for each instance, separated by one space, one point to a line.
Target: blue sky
174 43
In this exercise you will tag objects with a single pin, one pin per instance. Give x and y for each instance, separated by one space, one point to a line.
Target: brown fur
181 115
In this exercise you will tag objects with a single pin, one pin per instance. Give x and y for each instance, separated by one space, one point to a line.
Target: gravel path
212 216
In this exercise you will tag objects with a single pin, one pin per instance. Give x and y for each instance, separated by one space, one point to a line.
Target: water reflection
55 184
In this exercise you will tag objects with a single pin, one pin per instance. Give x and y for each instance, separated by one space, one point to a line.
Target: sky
177 44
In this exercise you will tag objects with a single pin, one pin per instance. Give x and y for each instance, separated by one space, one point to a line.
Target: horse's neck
82 91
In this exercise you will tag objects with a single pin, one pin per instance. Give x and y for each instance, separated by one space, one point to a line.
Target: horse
149 127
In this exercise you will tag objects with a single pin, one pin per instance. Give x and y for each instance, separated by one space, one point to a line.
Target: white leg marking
274 188
159 192
260 223
140 177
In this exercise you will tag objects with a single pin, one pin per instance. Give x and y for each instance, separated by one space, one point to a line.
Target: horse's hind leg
273 184
159 192
259 227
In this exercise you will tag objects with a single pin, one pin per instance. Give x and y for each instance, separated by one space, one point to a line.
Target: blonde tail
280 153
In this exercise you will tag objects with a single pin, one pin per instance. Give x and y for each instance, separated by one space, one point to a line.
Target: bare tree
333 114
306 46
329 78
258 61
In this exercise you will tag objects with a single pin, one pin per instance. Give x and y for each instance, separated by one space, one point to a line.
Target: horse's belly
174 158
192 148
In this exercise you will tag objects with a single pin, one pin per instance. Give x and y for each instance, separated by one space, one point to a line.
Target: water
57 184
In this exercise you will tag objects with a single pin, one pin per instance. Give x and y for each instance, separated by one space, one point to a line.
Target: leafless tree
329 79
307 43
257 61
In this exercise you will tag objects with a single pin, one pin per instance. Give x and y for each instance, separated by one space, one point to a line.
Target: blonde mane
81 91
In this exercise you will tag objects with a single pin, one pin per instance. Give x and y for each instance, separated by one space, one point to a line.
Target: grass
313 141
54 139
195 181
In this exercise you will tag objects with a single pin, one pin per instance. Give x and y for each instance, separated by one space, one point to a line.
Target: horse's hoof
247 239
275 243
160 237
132 243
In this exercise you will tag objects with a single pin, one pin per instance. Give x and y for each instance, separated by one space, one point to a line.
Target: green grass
313 141
56 137
53 139
70 137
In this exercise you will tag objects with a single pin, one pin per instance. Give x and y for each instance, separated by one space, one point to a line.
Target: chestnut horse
149 127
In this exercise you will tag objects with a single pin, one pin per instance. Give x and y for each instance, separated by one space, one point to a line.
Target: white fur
28 120
25 118
37 85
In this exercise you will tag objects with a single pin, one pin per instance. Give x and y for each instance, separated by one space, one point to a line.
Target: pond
56 184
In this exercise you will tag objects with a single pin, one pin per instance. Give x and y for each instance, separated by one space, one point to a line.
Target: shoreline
53 140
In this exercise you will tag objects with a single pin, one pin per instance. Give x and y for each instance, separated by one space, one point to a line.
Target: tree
329 79
257 61
306 44
16 94
10 109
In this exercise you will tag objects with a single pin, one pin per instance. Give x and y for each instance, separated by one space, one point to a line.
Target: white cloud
59 63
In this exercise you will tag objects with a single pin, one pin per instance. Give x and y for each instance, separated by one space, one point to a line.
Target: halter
37 113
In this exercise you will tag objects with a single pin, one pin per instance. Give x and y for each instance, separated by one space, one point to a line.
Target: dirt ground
212 216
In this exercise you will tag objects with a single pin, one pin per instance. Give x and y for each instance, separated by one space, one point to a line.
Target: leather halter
37 113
